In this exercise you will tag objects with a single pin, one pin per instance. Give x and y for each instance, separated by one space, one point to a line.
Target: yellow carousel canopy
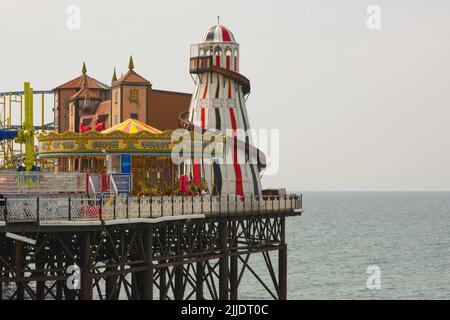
131 136
132 126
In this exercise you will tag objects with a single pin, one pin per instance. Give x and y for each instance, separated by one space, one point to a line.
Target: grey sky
357 109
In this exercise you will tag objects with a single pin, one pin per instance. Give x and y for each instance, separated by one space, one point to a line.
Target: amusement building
99 187
104 131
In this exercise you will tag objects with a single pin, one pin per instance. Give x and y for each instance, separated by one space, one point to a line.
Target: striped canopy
132 126
218 34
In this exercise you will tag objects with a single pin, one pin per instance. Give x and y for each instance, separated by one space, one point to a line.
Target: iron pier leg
18 262
59 283
86 275
163 271
40 265
223 261
233 264
199 275
110 282
111 288
69 260
7 255
148 274
178 294
2 254
282 261
200 266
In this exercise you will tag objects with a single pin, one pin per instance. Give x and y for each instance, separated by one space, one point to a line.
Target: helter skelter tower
218 104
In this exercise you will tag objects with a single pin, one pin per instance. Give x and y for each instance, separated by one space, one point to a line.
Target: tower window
133 115
134 95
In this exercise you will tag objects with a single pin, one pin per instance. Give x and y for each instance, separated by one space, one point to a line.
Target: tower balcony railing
200 64
122 207
203 64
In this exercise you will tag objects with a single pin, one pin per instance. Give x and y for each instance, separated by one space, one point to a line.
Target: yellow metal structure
12 150
7 146
26 135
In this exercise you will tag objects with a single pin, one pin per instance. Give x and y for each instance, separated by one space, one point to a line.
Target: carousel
133 155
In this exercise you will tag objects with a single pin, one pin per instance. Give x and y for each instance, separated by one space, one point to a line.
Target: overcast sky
357 109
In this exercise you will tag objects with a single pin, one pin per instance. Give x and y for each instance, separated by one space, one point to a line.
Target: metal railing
42 182
124 207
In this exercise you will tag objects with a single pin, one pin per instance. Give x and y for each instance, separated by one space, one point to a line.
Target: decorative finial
131 63
85 82
84 69
218 20
114 77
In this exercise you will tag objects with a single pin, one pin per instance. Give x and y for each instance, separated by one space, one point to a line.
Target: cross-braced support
181 259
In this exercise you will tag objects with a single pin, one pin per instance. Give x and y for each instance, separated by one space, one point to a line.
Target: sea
366 245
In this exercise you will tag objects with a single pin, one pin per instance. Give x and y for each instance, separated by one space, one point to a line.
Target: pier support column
178 294
233 264
200 265
111 283
3 254
18 266
7 254
40 288
86 272
148 273
199 277
163 271
69 260
223 261
282 261
59 283
179 278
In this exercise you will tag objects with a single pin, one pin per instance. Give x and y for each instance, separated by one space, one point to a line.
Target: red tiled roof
131 77
78 83
86 93
103 108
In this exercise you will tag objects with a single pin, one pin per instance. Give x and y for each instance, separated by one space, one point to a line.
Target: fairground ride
17 145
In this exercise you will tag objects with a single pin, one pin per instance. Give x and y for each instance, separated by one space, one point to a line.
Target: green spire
84 69
85 84
114 77
131 63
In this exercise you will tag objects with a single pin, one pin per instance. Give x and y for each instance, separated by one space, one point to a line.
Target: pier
125 247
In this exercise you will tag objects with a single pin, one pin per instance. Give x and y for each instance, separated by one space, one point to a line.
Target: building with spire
85 103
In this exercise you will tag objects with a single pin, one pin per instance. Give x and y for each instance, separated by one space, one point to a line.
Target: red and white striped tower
218 103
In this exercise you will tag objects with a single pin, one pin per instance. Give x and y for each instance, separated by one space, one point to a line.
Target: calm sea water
340 234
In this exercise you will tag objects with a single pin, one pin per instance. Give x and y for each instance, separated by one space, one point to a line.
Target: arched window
218 54
236 59
228 58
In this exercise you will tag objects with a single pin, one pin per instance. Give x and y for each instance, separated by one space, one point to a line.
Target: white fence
123 207
42 182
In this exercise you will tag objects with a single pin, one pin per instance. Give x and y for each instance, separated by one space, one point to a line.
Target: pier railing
123 207
43 182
